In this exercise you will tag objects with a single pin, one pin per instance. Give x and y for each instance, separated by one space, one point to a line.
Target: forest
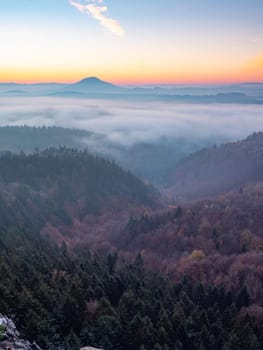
62 299
92 255
131 175
148 159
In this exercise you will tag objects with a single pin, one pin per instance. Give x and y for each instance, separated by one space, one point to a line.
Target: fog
126 123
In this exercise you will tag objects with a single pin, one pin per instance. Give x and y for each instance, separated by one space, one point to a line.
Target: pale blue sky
184 37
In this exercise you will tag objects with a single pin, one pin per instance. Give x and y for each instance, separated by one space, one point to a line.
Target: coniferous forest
131 175
109 292
59 298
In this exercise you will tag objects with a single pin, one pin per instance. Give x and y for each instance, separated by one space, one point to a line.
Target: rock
90 348
10 337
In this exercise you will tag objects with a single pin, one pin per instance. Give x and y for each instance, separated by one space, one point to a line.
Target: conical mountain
94 85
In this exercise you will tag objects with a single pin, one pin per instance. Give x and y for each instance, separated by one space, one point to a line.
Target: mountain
213 171
95 86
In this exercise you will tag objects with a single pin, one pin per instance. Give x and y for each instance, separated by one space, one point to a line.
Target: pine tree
243 298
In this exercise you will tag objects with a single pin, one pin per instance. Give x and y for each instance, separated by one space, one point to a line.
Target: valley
68 203
131 175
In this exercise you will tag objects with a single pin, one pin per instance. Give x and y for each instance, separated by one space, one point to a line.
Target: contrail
97 10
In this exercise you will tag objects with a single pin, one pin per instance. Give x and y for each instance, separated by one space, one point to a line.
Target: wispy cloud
98 10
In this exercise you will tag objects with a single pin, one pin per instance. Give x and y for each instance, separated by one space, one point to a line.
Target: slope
68 187
220 169
216 241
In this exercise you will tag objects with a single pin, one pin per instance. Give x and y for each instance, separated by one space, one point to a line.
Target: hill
65 300
29 139
151 161
68 187
216 241
62 296
213 171
90 203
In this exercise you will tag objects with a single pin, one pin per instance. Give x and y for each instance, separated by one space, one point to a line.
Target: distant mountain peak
94 85
95 79
92 81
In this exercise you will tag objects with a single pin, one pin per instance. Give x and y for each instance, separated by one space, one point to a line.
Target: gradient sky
132 41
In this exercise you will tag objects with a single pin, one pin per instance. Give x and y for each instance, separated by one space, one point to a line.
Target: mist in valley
131 175
148 138
126 123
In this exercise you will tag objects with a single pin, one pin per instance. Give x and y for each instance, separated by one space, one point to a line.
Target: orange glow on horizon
252 71
255 65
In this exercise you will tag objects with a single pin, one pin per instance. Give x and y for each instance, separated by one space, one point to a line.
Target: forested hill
59 185
213 171
217 241
80 172
66 301
28 139
66 298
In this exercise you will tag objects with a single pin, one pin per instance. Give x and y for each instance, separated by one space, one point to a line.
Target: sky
132 41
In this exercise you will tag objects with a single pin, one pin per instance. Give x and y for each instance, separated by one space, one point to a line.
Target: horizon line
129 83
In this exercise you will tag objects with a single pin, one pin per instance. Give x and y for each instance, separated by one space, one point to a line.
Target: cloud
127 123
97 10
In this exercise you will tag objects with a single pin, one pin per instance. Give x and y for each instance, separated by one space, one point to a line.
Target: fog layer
126 123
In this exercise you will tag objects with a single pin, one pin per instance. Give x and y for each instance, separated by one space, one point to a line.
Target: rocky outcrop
10 338
90 348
